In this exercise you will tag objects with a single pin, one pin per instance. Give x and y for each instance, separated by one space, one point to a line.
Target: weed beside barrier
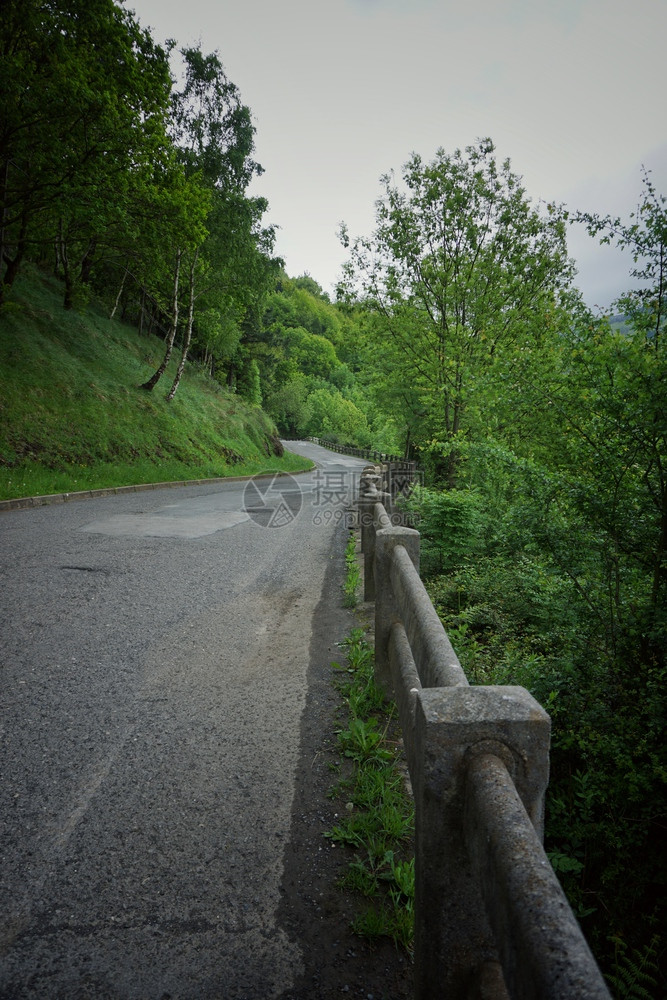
376 824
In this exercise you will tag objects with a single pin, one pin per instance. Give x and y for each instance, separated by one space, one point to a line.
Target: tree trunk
659 571
120 292
188 332
3 221
87 262
13 265
62 263
157 375
142 309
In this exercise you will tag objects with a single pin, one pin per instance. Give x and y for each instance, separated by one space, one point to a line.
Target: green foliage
248 381
535 609
335 417
72 417
352 573
635 975
218 333
219 238
457 273
357 683
85 97
450 524
645 236
393 918
299 344
362 741
378 822
290 407
555 577
138 184
395 922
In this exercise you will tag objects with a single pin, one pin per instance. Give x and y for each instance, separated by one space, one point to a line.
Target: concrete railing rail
368 453
397 473
491 920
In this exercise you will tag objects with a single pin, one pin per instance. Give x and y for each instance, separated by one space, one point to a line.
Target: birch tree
213 137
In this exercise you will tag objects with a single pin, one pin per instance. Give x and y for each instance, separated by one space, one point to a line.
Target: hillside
72 415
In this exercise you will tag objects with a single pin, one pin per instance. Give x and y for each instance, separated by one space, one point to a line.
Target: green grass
377 821
352 573
72 415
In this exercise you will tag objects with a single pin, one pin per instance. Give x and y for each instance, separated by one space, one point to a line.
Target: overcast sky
343 91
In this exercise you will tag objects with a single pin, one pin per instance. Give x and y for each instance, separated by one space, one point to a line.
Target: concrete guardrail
491 920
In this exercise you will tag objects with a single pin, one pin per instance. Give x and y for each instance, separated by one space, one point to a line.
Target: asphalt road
154 657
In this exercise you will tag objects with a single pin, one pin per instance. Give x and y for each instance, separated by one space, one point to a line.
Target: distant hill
619 323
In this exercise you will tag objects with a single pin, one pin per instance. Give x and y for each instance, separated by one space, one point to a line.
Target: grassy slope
72 416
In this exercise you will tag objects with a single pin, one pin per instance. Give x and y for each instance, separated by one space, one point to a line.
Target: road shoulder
313 911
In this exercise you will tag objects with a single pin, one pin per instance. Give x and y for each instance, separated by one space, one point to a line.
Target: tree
333 416
558 581
85 94
214 138
290 407
182 231
457 270
626 377
645 235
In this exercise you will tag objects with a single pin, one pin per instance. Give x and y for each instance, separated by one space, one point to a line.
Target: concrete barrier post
455 951
386 609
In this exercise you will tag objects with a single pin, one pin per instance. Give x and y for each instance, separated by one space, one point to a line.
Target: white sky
342 91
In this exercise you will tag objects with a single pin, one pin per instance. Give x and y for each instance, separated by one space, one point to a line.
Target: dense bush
516 616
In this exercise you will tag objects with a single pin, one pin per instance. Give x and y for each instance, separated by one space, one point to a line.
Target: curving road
155 649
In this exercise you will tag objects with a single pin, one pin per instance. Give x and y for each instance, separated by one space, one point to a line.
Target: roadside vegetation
376 824
352 573
72 415
542 433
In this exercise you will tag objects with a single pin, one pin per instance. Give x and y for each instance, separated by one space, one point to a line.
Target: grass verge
73 416
352 573
377 814
38 480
